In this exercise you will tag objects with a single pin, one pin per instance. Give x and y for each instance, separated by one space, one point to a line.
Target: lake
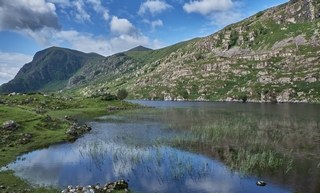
140 146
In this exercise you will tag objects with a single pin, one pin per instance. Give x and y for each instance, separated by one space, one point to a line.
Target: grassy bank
40 123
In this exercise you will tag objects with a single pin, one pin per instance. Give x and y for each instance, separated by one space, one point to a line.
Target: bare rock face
295 11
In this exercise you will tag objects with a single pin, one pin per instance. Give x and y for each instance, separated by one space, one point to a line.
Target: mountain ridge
272 56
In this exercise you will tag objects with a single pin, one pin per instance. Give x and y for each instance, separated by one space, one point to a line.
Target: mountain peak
139 49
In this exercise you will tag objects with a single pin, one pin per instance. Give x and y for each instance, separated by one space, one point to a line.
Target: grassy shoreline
41 118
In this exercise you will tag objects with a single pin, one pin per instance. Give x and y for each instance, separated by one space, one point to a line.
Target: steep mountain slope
272 56
50 69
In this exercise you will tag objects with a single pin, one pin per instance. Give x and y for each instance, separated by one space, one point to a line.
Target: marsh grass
134 158
253 143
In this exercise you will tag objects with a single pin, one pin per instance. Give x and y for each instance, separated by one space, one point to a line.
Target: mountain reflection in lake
129 145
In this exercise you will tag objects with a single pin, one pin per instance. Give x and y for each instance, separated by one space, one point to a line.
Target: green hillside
272 56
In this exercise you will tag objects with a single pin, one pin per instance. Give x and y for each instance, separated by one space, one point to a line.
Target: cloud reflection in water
112 151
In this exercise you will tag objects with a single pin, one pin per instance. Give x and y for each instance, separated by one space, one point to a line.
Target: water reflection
128 146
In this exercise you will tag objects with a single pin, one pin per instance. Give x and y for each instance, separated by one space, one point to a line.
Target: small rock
261 183
28 135
49 118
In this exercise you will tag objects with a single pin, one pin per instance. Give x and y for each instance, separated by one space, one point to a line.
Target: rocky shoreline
108 187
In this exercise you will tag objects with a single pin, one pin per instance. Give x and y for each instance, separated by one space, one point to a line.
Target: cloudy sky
109 26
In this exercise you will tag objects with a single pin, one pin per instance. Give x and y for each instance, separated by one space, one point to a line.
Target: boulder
10 125
112 108
86 127
117 185
69 118
72 131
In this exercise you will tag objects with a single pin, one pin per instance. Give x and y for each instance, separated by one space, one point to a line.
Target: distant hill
272 56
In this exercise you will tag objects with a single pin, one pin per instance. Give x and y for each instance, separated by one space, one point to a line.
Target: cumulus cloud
206 7
123 36
122 26
87 42
126 42
154 7
10 64
37 19
220 12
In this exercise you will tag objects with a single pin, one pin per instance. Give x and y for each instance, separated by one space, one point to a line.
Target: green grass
21 109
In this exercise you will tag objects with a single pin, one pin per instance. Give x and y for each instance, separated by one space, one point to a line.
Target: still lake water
128 145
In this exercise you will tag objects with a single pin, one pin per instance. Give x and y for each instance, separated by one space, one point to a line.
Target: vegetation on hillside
272 56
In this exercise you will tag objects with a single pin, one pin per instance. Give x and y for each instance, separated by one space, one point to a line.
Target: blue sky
108 27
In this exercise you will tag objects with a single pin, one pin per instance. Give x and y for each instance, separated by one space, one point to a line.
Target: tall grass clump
254 142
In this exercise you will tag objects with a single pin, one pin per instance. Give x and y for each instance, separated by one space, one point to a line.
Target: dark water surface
128 145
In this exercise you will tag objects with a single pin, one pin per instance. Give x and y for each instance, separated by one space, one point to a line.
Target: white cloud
10 64
60 2
156 44
84 42
125 42
78 9
122 26
154 7
219 12
225 18
100 9
123 36
36 19
206 7
42 36
127 36
87 42
81 15
154 24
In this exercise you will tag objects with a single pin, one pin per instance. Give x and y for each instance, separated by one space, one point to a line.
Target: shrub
233 38
122 94
259 14
108 97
